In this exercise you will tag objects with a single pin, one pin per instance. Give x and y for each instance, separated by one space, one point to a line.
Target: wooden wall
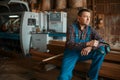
109 11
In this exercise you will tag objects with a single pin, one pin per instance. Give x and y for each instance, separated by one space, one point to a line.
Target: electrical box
57 22
40 41
43 21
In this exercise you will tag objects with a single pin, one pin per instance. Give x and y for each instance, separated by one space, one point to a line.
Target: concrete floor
26 69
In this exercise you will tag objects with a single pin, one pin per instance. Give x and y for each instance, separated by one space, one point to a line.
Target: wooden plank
113 57
57 42
55 48
115 49
40 54
108 69
44 56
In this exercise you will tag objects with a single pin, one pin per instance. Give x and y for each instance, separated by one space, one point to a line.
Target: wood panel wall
111 12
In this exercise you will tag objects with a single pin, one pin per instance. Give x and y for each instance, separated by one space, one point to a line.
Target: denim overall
71 57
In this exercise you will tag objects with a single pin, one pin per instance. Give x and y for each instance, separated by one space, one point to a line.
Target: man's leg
69 61
97 59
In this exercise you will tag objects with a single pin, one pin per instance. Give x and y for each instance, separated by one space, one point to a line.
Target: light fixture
13 16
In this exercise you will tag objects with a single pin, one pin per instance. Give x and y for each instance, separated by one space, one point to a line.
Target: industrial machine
18 27
16 31
57 22
16 23
29 20
53 27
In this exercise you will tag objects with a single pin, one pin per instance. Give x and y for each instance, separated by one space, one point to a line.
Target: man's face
84 19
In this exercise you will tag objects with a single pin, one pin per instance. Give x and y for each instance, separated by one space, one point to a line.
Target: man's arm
93 44
96 39
96 36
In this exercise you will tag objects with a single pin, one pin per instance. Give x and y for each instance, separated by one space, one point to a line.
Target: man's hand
93 43
86 51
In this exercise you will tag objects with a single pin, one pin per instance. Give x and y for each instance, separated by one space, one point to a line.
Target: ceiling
12 6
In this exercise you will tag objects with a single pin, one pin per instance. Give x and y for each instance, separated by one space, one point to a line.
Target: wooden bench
110 67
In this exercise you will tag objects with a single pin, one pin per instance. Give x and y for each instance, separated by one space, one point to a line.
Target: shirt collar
79 27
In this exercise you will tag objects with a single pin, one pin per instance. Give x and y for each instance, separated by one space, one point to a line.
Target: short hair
83 10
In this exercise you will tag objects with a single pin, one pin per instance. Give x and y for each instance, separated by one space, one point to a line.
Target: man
83 43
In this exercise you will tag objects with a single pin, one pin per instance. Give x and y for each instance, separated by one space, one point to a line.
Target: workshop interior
33 36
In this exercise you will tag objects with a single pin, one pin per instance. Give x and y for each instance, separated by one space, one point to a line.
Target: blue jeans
70 59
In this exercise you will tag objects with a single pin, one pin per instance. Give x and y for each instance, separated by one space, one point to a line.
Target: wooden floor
26 69
18 67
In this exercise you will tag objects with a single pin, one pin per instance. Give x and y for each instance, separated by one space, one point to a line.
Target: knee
101 50
99 55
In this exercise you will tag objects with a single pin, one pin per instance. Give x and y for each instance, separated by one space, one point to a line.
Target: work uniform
76 41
